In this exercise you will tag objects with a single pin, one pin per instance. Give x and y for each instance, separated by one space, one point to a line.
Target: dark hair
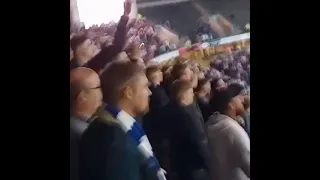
178 70
77 41
178 87
235 88
214 84
220 100
151 70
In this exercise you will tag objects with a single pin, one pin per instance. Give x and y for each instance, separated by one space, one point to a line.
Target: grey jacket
229 145
77 127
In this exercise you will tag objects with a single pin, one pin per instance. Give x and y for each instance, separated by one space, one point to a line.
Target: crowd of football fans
131 119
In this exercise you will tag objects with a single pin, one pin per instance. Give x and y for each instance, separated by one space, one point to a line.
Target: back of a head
150 72
178 70
236 88
214 83
116 76
201 83
77 40
220 101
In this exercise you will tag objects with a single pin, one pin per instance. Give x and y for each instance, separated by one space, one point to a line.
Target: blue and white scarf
132 127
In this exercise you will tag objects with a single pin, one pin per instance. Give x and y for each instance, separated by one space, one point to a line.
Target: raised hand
127 7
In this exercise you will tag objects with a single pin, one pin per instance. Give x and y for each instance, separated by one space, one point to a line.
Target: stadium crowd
133 120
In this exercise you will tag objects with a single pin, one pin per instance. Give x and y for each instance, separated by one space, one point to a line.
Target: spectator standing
153 121
238 89
186 133
114 146
85 98
229 143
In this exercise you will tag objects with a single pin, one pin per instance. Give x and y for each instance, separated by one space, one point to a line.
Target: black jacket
205 109
107 153
107 54
153 121
187 139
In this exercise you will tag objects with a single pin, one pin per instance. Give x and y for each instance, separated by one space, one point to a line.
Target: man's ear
231 105
128 93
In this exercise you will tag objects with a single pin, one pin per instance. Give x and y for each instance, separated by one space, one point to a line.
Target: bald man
85 98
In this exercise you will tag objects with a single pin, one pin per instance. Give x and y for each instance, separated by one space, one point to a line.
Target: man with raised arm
85 52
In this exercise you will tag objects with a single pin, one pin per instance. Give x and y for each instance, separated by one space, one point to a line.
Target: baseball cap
221 100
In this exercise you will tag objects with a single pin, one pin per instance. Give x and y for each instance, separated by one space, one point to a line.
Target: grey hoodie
229 146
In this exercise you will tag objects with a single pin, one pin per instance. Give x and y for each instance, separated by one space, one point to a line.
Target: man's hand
127 7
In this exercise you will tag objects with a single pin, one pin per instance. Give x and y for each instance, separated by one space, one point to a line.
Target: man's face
238 105
92 93
140 95
187 74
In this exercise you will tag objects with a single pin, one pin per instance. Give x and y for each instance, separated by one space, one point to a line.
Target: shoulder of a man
219 125
102 129
77 127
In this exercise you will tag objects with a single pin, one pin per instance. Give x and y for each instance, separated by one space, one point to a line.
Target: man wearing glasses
85 98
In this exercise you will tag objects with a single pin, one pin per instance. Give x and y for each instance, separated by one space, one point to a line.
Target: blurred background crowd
152 99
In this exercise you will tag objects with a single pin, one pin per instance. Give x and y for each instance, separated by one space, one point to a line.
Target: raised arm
107 54
120 36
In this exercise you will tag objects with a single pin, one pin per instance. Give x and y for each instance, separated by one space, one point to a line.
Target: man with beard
229 143
85 52
114 146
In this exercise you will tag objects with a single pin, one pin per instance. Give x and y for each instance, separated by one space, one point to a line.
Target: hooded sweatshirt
229 146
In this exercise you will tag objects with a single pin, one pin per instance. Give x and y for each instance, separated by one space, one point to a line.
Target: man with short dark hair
85 98
84 50
153 121
238 89
186 134
229 143
180 71
158 98
114 146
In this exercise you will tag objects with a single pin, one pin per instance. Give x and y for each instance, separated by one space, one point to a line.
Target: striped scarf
134 129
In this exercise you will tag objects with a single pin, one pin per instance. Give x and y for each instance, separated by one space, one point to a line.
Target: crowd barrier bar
227 40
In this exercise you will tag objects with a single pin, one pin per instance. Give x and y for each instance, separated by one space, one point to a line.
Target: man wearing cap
85 98
229 143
